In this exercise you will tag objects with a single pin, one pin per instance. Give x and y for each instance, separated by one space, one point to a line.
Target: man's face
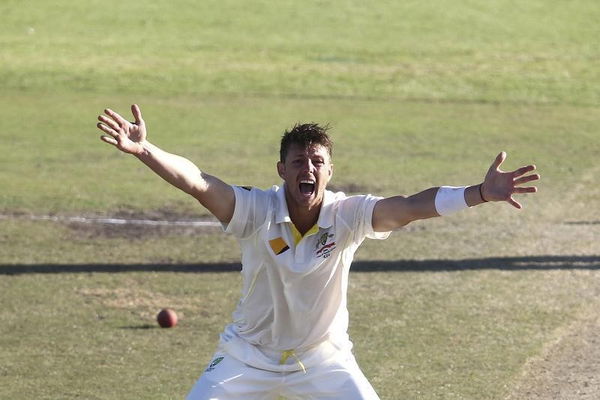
306 172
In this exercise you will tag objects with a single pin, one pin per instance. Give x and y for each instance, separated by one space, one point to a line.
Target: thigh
339 378
227 378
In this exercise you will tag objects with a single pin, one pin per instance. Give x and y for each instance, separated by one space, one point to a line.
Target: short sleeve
367 220
357 213
251 206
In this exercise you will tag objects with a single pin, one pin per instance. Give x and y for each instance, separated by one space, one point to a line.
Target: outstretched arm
130 137
394 212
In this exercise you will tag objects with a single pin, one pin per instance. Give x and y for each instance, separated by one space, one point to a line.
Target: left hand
499 185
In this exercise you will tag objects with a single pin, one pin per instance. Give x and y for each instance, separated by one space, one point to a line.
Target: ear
281 169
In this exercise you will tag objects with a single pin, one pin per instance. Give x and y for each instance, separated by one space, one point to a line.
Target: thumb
498 161
137 114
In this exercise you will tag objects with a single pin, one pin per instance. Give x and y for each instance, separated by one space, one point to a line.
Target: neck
303 218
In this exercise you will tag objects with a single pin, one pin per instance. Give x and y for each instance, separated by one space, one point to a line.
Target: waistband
289 360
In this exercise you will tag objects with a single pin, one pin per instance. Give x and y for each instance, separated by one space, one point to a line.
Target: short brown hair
305 135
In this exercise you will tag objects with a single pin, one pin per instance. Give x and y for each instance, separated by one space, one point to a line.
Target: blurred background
418 94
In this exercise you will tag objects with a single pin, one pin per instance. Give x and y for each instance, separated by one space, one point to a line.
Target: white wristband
450 199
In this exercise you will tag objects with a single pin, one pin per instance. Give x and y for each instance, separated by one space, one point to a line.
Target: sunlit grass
418 94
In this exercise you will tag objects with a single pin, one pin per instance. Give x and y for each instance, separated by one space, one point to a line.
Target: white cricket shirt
293 295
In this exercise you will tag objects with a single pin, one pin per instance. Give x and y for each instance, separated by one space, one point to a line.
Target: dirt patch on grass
143 303
133 231
160 214
569 368
125 223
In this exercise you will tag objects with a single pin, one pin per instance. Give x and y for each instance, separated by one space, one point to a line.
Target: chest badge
278 245
325 245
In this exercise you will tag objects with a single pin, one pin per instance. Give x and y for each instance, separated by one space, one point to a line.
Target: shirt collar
325 220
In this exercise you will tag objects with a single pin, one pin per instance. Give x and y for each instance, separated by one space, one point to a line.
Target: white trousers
227 378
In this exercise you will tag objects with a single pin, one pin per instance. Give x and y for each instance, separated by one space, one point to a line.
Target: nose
308 166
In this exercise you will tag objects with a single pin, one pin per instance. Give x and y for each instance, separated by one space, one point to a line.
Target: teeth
307 181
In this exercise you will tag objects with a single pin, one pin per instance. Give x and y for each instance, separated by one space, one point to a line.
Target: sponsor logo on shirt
214 364
325 245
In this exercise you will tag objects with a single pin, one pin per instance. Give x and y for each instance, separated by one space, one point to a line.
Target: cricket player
288 337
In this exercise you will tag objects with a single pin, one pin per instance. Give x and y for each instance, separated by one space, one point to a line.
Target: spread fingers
531 189
523 170
116 117
526 179
107 129
109 122
108 139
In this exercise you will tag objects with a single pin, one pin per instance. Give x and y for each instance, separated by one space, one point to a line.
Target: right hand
129 137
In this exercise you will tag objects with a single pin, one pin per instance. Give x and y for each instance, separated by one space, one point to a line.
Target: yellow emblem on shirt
278 245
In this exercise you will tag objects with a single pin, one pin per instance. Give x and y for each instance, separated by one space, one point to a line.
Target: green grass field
418 94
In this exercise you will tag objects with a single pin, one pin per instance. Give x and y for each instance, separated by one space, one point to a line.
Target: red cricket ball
166 318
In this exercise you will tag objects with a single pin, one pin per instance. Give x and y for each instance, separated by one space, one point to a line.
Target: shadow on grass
139 327
497 263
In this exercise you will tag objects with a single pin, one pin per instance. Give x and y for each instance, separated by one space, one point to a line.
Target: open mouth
307 187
